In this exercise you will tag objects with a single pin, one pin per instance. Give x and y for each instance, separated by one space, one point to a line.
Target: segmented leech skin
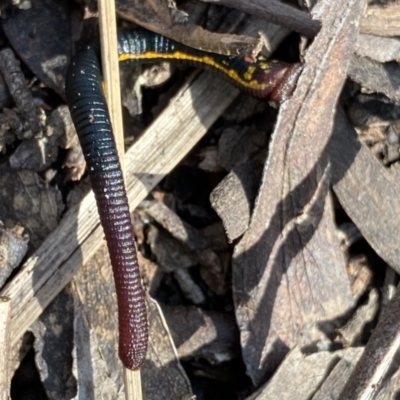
260 78
92 122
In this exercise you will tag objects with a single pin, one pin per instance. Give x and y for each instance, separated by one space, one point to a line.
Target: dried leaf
288 272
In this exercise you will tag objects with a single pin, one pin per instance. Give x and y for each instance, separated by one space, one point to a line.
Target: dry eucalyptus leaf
288 270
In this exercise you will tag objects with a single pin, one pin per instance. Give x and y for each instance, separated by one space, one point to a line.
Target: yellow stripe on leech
245 81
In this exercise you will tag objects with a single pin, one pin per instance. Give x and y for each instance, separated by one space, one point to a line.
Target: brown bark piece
13 247
158 16
179 229
189 287
60 125
191 238
288 270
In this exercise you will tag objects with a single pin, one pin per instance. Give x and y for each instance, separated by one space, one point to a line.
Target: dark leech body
87 103
92 121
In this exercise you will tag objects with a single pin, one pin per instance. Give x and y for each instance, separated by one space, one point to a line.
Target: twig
277 12
5 319
133 384
378 355
108 38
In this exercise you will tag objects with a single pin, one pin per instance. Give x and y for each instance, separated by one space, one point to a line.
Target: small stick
5 321
108 38
276 12
110 68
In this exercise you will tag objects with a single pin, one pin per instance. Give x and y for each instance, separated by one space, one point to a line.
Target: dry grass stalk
5 321
108 35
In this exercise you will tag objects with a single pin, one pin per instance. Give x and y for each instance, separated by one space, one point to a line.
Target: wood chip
234 197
